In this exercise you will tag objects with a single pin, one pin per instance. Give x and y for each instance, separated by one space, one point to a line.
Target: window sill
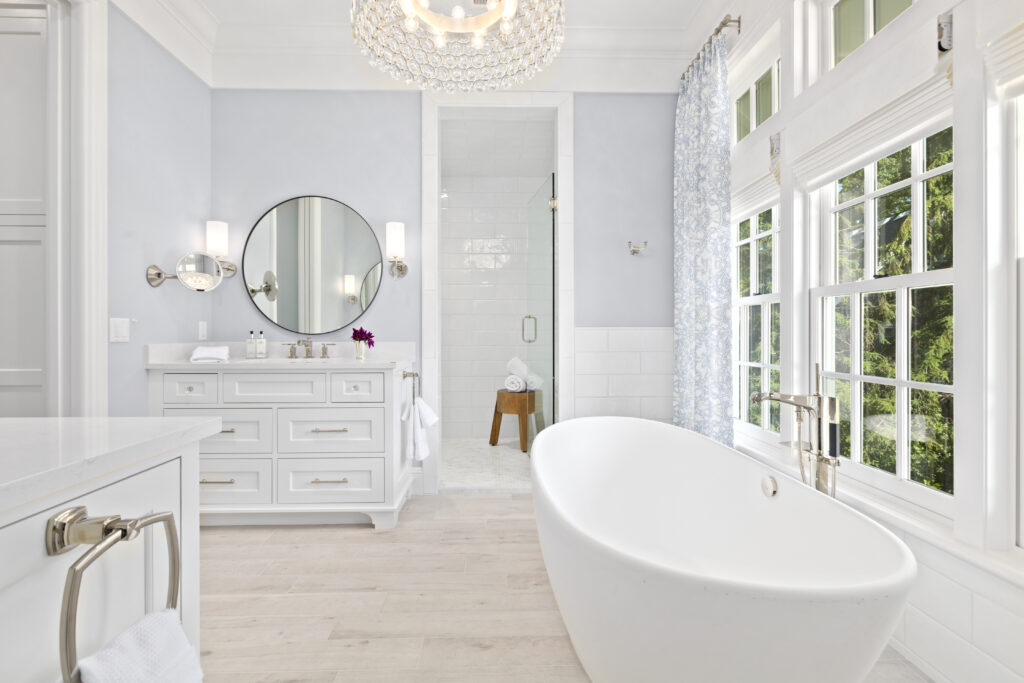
898 515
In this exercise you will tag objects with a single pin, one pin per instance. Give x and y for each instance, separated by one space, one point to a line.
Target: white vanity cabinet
303 441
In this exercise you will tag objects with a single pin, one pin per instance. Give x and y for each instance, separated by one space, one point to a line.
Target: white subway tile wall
962 624
484 295
624 371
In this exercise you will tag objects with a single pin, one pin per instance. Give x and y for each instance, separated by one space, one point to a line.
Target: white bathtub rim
898 581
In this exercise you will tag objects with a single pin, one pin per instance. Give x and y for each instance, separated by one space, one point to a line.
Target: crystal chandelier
497 45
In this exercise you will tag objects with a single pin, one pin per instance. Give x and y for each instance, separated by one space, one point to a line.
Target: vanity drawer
242 481
362 387
182 388
267 388
330 430
243 430
330 480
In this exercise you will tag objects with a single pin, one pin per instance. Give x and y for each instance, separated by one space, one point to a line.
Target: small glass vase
360 350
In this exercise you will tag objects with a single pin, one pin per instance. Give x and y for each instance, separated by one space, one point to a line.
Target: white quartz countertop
298 364
43 457
388 356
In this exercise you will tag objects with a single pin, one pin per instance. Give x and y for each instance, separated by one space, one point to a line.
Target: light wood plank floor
456 593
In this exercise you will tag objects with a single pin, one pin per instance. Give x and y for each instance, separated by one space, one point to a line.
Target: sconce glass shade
350 285
217 239
395 240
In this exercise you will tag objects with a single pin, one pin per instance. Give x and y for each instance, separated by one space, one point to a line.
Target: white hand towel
154 650
518 368
515 384
533 382
418 416
210 354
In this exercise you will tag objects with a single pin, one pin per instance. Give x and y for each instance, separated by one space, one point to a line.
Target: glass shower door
538 325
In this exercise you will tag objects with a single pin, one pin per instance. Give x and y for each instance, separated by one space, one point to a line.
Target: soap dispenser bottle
261 346
250 346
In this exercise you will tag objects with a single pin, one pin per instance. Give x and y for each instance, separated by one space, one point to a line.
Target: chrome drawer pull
318 480
317 430
229 430
217 481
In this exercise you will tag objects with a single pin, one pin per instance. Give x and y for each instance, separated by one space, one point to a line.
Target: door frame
430 316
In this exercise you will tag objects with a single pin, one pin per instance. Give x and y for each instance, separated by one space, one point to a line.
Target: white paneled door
27 242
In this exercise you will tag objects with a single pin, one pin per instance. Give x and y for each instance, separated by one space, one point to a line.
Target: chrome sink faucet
308 343
818 461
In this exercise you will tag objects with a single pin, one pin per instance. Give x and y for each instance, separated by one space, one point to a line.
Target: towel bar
73 526
415 381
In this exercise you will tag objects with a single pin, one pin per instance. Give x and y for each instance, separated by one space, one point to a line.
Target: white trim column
87 253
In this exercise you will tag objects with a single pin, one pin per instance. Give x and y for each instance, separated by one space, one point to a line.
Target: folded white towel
518 368
533 382
210 354
418 416
515 384
154 650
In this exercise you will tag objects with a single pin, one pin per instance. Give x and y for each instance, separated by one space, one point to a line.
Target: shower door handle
534 319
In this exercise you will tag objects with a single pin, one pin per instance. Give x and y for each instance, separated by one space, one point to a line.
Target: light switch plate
202 330
120 329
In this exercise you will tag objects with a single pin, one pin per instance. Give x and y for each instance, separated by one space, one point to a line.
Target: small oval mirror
199 272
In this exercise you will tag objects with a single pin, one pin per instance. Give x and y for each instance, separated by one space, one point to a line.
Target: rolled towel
210 354
533 382
518 368
515 384
155 649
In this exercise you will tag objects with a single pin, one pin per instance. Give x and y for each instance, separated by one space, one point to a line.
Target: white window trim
822 267
742 428
829 29
776 70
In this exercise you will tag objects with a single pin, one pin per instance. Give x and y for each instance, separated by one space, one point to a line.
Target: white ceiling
611 45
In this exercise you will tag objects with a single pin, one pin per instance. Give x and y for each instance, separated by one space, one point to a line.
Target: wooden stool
521 403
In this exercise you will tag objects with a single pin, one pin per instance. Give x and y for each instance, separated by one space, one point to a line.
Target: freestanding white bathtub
669 563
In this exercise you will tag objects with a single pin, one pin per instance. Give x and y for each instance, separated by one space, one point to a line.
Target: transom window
758 317
854 21
886 315
757 103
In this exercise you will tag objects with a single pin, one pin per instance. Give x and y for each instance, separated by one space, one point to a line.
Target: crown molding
185 28
756 196
1004 58
880 133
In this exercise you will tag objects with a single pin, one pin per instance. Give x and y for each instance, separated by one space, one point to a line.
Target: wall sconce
197 270
395 247
350 288
217 246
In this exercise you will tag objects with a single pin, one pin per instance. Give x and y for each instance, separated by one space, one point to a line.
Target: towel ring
73 526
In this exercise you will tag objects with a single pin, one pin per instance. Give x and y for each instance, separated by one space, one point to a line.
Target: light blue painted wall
159 199
623 191
361 148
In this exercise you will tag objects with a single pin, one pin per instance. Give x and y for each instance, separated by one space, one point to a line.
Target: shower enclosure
539 323
497 287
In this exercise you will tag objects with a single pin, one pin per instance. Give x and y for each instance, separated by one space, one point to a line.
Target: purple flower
359 334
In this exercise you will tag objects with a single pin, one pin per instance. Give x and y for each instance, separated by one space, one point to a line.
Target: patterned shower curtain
703 386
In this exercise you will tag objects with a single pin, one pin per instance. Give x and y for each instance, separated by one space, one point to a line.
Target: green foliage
743 266
893 230
893 168
938 206
879 324
879 433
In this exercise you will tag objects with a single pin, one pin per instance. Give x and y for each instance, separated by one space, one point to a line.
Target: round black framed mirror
308 265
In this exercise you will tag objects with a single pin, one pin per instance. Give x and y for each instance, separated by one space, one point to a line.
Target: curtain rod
725 23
